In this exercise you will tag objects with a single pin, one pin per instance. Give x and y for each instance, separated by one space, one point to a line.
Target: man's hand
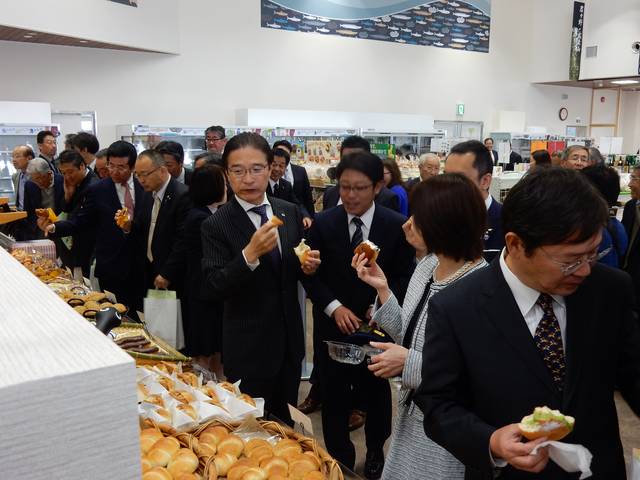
43 224
311 262
161 283
506 444
123 220
346 320
391 362
262 241
306 222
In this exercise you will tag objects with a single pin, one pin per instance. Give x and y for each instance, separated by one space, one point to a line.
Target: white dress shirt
180 178
120 191
288 173
160 193
367 220
488 201
256 219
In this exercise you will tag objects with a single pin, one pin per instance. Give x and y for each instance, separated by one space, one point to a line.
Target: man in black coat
297 176
173 154
341 303
472 159
279 187
44 189
544 325
249 262
631 222
488 143
116 264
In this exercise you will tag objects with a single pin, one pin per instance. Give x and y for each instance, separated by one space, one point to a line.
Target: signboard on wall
576 40
456 24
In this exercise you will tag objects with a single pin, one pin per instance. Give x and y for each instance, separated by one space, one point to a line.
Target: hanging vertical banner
576 40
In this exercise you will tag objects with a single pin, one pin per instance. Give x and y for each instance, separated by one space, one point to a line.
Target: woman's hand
391 362
371 274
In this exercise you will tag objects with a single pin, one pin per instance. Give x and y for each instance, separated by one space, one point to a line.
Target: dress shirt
288 173
527 298
160 193
488 201
367 220
255 219
213 208
180 178
92 165
120 191
22 179
272 183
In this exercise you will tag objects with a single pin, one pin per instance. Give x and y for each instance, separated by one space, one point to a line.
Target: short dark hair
552 205
482 162
120 148
174 149
210 158
606 180
595 156
279 152
355 141
392 166
244 140
488 138
86 140
364 162
283 143
42 134
207 185
102 153
570 149
451 215
68 140
217 129
71 156
541 157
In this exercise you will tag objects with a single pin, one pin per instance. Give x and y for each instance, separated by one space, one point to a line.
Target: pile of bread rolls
164 459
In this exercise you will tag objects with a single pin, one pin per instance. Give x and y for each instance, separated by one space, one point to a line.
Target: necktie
357 235
548 339
152 226
275 253
276 189
128 199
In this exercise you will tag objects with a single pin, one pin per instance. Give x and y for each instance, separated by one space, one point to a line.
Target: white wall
152 26
612 25
227 62
630 121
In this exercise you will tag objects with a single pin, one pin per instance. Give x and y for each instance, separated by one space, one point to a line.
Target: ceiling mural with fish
441 23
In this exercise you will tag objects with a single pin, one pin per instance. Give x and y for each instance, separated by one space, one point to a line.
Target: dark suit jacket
33 200
302 188
495 157
385 198
187 176
262 323
513 159
494 240
168 257
52 164
114 250
631 261
481 369
286 192
337 280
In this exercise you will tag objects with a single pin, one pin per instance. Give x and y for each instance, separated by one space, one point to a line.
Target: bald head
21 156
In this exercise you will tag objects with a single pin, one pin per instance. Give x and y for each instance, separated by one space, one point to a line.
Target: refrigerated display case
420 142
525 144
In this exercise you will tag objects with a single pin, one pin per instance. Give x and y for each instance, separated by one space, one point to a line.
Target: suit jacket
495 157
385 198
513 159
15 180
287 193
482 370
188 174
337 280
631 261
114 250
494 239
302 188
262 323
168 257
51 163
33 200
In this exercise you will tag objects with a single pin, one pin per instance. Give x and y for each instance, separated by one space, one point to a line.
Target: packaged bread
247 399
302 250
47 213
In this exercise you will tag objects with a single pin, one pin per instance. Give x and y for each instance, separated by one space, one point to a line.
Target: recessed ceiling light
28 36
33 33
84 41
624 82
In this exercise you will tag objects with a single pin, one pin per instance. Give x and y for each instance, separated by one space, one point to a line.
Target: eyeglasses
254 171
634 178
569 268
213 140
355 188
145 174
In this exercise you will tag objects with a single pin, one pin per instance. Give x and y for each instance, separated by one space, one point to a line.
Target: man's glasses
214 140
354 188
145 174
240 172
569 268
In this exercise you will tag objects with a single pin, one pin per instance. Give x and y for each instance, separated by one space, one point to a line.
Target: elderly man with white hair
429 166
45 189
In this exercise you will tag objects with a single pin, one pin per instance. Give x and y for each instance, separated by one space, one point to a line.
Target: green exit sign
460 108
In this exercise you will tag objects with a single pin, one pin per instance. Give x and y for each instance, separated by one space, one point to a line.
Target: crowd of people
491 309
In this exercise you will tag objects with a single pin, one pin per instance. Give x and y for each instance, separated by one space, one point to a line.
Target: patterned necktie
276 190
152 226
357 235
548 339
275 253
128 199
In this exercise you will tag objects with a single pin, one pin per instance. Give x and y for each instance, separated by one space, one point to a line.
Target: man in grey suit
21 156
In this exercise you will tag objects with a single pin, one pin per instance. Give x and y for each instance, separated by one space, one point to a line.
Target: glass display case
420 142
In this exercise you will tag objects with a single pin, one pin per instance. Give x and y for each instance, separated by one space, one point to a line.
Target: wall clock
563 113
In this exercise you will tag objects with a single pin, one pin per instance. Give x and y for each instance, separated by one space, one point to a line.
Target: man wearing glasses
215 139
544 325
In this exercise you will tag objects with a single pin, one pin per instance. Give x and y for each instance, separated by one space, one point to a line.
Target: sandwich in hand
370 250
544 422
47 213
302 250
276 221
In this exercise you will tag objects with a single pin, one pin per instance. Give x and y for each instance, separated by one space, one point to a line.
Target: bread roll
313 476
182 396
184 461
237 470
162 451
223 462
229 387
166 382
120 308
261 453
157 473
187 476
301 465
209 392
287 447
148 438
212 471
146 464
275 466
214 435
247 399
231 444
188 378
302 250
254 473
370 250
204 449
255 443
155 399
189 410
315 458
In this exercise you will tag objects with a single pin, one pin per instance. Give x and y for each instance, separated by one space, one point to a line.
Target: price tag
301 419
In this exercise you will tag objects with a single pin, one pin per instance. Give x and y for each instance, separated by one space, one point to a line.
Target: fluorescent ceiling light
625 82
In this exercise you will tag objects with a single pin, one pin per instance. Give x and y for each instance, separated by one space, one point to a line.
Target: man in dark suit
473 160
173 154
45 189
87 145
544 325
299 179
76 251
116 263
158 224
514 158
341 303
279 187
631 222
488 143
20 157
250 263
48 146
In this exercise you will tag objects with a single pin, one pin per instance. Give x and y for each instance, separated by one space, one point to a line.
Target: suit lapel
241 221
502 311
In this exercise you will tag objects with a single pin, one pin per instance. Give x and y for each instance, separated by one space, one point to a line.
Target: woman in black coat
202 313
